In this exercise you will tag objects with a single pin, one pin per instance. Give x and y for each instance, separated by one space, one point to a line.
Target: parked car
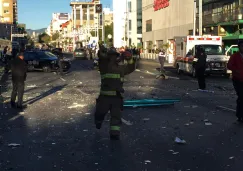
80 54
44 60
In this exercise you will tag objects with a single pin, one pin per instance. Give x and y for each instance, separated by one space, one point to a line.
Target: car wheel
194 72
178 69
46 68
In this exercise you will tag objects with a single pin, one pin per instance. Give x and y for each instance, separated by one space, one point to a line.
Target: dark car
44 60
80 54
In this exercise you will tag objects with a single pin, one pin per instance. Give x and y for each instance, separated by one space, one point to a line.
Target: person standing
112 71
201 67
162 61
19 73
235 64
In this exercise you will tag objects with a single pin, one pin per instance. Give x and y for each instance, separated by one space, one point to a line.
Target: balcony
225 16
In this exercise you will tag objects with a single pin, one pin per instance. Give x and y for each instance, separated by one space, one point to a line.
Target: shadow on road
45 94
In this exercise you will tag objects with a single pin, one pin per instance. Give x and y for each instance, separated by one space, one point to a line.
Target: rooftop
84 2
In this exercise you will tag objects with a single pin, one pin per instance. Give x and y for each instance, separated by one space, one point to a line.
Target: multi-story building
224 18
86 19
108 16
163 21
134 23
57 20
66 36
6 11
119 22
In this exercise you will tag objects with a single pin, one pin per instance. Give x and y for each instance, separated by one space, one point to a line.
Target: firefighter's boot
115 133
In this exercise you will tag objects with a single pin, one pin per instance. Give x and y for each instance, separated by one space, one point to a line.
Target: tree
44 38
55 36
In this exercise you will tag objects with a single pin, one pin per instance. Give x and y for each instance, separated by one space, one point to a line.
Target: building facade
119 22
163 21
57 20
224 18
134 23
6 11
108 16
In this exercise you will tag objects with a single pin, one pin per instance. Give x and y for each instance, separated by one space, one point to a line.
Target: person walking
235 64
201 67
19 73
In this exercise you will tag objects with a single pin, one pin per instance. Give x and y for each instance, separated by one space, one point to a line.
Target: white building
164 21
134 23
48 30
57 20
119 18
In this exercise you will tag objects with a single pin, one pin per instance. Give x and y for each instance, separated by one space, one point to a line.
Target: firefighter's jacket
112 75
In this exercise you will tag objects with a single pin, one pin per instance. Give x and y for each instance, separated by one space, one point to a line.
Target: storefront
163 20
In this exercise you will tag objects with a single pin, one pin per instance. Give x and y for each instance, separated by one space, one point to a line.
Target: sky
37 14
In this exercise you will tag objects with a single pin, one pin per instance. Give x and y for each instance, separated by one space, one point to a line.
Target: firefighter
235 64
112 71
201 67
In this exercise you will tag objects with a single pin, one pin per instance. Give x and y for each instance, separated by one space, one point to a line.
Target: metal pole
200 18
98 27
194 17
11 33
103 27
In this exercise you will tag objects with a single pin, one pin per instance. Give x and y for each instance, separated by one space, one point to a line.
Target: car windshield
49 54
213 49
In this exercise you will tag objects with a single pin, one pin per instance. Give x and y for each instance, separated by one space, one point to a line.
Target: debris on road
13 145
31 86
75 105
146 119
147 161
208 124
231 157
179 141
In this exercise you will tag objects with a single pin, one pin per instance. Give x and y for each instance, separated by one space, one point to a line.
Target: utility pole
194 17
103 26
200 18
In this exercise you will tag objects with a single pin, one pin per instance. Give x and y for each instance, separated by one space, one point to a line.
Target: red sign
160 4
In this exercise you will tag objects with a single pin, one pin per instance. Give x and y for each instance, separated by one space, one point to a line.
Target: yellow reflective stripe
115 128
108 93
130 61
110 76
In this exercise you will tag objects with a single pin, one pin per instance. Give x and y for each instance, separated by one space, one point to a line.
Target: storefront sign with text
160 4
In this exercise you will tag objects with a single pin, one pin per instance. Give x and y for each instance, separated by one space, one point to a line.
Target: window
77 14
129 6
6 19
130 25
148 25
6 11
6 4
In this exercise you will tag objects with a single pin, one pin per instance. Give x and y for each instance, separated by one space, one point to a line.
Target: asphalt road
56 131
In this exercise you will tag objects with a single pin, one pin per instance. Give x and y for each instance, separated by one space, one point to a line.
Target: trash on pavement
147 161
31 86
75 105
208 124
13 145
179 141
231 157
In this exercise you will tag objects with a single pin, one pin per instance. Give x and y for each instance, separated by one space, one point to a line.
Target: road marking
126 122
86 94
225 108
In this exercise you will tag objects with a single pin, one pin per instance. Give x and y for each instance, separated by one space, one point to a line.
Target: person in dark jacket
19 73
112 71
201 67
235 64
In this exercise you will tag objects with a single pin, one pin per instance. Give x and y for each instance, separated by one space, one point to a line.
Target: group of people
235 64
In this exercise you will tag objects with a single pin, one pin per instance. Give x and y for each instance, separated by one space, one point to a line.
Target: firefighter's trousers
238 85
104 104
